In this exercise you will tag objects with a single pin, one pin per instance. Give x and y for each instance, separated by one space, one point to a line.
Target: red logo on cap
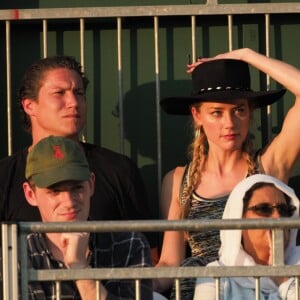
58 154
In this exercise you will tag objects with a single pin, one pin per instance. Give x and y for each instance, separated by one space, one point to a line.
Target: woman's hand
235 54
199 61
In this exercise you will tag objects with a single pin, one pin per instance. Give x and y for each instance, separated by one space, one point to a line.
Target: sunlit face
226 125
61 106
257 242
63 202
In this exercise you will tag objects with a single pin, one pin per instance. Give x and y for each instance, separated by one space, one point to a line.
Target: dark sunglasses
266 210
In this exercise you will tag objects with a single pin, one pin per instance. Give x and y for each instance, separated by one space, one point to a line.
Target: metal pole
120 76
158 116
230 40
193 28
269 112
82 62
45 44
8 88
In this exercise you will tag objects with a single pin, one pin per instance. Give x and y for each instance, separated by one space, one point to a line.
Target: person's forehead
267 194
227 104
61 75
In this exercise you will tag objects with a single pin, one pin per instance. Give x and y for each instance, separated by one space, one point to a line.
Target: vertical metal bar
158 116
193 29
277 247
218 288
82 44
138 289
230 30
269 113
257 288
45 41
8 89
24 265
13 251
211 2
82 62
297 287
177 289
98 289
120 85
5 264
57 289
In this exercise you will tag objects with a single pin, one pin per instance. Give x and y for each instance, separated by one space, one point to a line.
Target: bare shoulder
169 204
174 175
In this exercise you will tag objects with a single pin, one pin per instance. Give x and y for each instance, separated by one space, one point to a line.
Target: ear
196 116
29 194
28 106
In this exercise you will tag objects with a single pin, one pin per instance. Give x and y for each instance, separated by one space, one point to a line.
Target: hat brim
182 105
66 173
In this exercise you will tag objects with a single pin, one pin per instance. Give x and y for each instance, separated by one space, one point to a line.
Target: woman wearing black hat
221 105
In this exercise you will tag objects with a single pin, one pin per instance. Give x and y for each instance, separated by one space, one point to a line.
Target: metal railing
14 237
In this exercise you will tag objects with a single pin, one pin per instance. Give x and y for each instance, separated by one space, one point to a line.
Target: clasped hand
75 247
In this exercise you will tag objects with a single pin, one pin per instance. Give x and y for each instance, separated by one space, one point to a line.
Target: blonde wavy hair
197 152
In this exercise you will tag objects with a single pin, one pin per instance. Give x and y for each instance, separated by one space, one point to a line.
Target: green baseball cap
55 159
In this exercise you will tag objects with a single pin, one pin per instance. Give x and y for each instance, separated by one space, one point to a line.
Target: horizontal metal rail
158 225
277 269
163 272
144 11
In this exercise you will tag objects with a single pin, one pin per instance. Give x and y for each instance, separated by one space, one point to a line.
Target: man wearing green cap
60 184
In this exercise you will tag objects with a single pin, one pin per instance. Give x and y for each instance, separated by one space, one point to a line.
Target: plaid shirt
108 250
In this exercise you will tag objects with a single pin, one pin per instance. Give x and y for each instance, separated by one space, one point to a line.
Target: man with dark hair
52 101
60 184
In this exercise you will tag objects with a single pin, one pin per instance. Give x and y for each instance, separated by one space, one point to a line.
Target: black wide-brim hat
220 80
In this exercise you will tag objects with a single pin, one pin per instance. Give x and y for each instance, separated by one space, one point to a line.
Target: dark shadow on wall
11 4
3 95
25 49
26 38
140 127
294 183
